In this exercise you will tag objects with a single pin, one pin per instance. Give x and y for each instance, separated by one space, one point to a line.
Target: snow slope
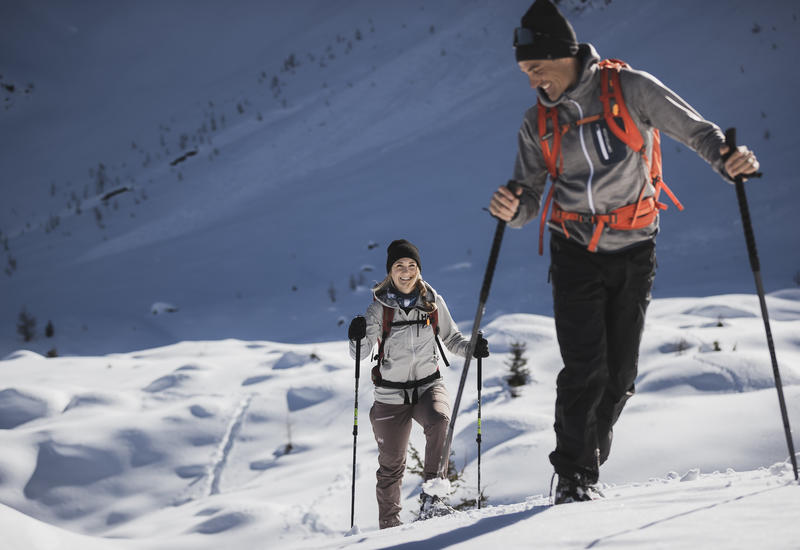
187 445
312 123
198 196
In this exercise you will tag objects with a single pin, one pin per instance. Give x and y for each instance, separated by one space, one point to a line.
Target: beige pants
391 425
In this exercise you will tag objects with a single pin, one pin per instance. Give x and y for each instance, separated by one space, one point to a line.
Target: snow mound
713 372
17 408
140 446
167 382
222 522
256 379
23 354
302 398
64 465
716 311
90 399
290 360
200 412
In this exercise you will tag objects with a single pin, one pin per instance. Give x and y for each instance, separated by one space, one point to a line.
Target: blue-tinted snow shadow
468 532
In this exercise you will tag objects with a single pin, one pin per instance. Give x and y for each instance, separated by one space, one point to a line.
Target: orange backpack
633 216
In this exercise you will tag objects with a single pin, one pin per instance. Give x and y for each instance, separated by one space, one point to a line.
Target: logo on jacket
610 148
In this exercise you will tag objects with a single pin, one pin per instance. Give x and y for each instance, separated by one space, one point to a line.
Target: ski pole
484 296
355 436
730 138
478 438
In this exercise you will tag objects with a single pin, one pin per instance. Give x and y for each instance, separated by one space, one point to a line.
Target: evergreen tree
26 325
520 375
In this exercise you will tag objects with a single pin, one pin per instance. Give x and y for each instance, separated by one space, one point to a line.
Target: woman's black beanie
401 249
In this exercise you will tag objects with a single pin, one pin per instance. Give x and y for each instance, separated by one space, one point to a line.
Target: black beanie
401 249
553 36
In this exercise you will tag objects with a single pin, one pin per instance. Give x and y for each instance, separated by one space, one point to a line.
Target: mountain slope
322 133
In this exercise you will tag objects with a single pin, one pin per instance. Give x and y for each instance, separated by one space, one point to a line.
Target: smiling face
552 76
404 275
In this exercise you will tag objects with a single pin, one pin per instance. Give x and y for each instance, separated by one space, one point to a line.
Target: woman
404 319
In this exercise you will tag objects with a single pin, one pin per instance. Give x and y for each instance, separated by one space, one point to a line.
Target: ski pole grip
514 187
730 139
480 368
493 254
358 359
744 209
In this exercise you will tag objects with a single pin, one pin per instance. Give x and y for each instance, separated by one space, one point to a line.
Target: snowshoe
575 488
431 506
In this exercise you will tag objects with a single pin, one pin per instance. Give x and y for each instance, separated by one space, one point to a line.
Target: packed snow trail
225 446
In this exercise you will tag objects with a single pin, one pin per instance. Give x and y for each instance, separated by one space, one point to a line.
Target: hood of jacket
588 59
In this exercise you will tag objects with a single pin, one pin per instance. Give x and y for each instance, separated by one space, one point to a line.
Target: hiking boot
575 488
391 522
431 506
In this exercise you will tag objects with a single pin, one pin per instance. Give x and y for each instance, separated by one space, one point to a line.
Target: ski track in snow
732 375
602 540
225 446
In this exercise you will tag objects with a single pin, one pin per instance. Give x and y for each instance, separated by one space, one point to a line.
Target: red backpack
632 216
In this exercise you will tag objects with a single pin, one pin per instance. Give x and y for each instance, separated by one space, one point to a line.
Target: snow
202 393
437 487
237 442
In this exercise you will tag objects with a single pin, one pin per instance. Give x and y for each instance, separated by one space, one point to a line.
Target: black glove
481 348
358 328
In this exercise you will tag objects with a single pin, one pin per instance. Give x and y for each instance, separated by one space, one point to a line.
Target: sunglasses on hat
525 37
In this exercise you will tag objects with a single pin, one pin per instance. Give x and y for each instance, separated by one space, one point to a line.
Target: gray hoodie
410 352
601 174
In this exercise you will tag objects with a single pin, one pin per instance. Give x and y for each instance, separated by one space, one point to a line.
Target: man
602 266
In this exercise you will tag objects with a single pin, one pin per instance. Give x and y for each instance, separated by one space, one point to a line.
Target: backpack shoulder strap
614 106
551 151
386 328
433 317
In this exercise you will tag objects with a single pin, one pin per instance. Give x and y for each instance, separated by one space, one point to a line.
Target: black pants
599 303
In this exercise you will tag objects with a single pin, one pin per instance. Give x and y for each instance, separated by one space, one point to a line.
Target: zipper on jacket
588 160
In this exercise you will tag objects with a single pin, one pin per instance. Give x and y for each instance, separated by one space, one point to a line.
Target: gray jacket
600 173
410 352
